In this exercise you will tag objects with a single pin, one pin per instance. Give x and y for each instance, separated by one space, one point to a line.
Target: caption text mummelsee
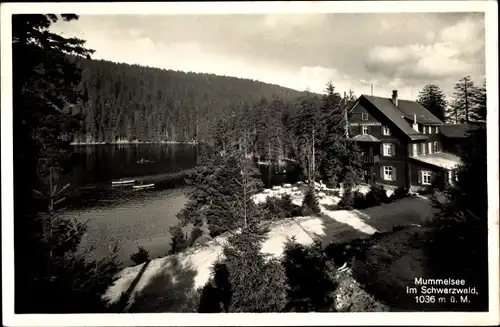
425 290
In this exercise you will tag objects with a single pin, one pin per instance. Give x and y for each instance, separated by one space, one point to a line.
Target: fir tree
432 98
478 112
459 241
463 101
245 280
45 94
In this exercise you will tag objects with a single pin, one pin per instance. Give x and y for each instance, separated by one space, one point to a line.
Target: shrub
376 196
351 297
311 277
279 208
245 280
347 201
359 201
179 240
141 256
195 234
400 192
310 205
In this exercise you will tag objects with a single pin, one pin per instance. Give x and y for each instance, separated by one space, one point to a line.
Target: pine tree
245 280
45 91
307 132
340 158
459 242
478 112
432 98
463 101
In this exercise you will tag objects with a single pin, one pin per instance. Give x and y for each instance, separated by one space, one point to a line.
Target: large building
403 143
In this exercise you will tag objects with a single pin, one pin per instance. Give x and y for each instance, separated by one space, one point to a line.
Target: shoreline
134 142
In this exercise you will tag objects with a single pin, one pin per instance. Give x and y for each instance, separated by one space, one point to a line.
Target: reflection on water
141 221
102 163
141 217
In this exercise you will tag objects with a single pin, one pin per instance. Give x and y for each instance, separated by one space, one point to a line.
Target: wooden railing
370 159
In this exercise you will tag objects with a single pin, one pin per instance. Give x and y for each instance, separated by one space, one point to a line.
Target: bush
310 205
179 241
376 196
245 280
346 201
141 256
279 208
311 278
359 200
400 192
195 234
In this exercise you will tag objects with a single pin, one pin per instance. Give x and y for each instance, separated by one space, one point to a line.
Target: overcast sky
402 51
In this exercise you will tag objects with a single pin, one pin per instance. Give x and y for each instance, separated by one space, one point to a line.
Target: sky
391 51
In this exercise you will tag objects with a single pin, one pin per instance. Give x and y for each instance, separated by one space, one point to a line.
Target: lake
133 217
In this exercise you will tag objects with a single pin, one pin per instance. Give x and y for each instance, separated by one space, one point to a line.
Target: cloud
298 50
456 52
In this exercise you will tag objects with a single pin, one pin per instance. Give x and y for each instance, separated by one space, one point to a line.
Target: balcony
370 159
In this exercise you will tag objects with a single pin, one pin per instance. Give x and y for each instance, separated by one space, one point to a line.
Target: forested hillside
131 102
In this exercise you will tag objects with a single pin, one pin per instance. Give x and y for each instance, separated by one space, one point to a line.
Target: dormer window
364 116
364 130
386 130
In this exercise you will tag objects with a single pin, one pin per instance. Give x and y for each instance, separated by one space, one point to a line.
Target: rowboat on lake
144 186
121 182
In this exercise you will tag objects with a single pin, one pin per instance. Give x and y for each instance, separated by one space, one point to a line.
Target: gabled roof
456 130
424 116
395 115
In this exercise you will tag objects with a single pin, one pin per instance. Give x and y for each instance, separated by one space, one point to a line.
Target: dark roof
386 106
365 138
399 114
456 130
424 116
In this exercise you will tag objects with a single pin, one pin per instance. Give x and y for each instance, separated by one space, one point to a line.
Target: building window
387 173
435 146
415 149
388 150
426 177
386 130
430 129
364 116
429 147
437 129
422 148
364 130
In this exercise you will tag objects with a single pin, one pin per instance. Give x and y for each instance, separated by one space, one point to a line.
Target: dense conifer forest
125 102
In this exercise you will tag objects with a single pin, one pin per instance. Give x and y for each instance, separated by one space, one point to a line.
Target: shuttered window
388 173
388 149
426 177
386 130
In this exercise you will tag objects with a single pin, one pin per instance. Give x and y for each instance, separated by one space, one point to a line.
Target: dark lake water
134 217
105 162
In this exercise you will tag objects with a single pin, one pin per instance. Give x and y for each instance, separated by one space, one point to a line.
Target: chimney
415 124
395 97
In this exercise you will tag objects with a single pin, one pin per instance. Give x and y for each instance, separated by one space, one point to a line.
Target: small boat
144 161
143 186
116 183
